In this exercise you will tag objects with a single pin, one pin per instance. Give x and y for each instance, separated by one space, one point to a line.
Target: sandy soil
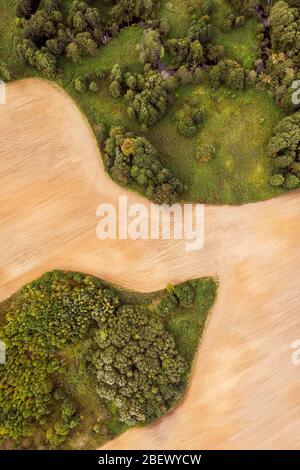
245 392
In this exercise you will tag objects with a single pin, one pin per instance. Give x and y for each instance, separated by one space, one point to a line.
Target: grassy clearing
8 31
177 15
100 106
123 49
240 43
239 125
187 325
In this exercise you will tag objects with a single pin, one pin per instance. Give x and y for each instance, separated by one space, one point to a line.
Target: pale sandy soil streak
244 393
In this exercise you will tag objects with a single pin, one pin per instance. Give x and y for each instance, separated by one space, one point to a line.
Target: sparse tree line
284 150
190 51
90 82
282 70
283 64
126 349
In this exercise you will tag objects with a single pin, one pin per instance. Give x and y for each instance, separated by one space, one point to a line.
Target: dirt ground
245 391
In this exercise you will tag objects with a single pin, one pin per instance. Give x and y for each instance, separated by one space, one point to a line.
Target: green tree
73 53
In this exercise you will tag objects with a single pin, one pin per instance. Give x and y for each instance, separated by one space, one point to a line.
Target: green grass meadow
239 126
100 106
240 43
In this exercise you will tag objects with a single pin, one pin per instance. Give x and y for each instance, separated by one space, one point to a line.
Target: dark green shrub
185 293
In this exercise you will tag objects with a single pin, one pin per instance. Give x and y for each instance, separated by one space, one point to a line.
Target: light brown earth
244 392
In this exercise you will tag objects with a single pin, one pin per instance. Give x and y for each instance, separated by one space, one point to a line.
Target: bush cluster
191 50
146 96
184 51
182 295
283 64
128 11
89 82
247 7
136 365
228 73
26 8
130 158
190 118
47 35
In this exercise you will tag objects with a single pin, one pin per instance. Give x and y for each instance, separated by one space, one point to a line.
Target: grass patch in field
239 125
187 324
240 43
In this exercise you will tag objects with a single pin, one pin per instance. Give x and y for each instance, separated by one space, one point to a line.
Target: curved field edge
94 420
253 322
238 174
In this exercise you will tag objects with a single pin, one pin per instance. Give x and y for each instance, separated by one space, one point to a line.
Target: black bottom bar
136 459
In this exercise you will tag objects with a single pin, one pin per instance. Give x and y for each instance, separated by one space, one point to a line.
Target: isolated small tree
116 73
94 87
72 52
115 89
25 8
198 115
239 21
79 85
196 56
